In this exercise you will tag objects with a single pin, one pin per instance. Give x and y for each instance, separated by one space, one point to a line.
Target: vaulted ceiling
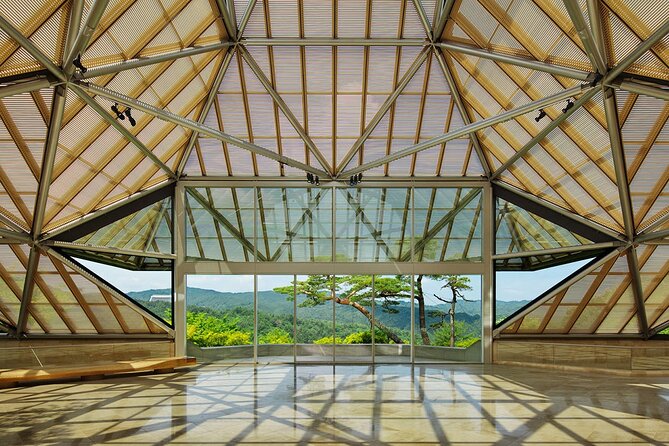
563 104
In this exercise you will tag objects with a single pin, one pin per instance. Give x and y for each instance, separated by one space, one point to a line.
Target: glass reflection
353 318
447 224
373 224
275 318
220 224
295 224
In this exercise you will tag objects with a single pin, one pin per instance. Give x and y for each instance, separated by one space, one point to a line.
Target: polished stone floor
316 404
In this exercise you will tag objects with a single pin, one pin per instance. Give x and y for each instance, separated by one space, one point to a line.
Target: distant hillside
271 302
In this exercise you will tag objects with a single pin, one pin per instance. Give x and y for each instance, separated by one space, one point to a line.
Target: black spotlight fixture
313 179
355 179
569 105
131 120
77 63
542 113
115 109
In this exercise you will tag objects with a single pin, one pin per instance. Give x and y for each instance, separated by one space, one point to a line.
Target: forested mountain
274 303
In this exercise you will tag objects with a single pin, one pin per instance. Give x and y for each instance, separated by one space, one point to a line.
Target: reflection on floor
309 404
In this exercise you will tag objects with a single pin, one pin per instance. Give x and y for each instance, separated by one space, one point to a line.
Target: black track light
131 120
355 179
115 109
542 113
569 105
313 179
77 63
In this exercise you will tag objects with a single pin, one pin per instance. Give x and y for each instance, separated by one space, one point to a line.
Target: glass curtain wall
324 316
353 318
342 318
275 306
220 317
314 318
447 313
392 318
334 224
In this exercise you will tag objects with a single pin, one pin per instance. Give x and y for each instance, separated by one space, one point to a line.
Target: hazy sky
510 285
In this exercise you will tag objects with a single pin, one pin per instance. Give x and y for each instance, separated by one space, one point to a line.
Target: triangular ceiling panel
581 144
45 25
174 25
63 301
377 19
655 283
645 134
23 128
627 25
12 278
125 281
513 28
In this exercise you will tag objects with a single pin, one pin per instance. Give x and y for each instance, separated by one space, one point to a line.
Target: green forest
226 319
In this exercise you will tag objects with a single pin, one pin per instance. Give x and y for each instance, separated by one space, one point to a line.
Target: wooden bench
14 377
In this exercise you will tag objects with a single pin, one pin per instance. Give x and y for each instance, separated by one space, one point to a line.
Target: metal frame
543 133
532 64
561 250
79 44
470 128
150 60
122 130
109 250
196 126
278 100
77 40
211 97
378 116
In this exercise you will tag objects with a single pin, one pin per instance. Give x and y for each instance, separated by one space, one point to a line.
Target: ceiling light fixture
131 120
355 179
542 113
115 109
77 63
569 105
313 179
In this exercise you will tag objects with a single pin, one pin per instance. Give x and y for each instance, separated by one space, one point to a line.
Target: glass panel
275 318
219 317
295 224
150 289
315 312
353 318
447 318
392 319
220 224
516 289
149 230
373 224
447 224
